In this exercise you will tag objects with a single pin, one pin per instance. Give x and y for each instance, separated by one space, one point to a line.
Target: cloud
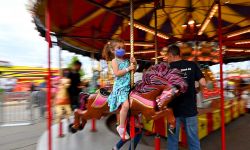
20 43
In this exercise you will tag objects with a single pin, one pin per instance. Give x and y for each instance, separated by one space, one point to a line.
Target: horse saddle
101 98
135 96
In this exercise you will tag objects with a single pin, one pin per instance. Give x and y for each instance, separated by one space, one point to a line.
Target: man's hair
174 50
77 63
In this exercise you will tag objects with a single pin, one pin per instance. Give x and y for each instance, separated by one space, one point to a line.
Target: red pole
47 22
132 127
60 134
157 142
223 142
93 126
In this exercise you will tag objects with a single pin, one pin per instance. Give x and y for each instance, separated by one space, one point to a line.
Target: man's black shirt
185 104
75 82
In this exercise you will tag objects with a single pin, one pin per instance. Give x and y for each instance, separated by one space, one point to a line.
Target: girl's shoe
121 132
114 148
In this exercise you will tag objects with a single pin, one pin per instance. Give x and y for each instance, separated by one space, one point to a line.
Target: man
184 106
9 84
41 96
74 88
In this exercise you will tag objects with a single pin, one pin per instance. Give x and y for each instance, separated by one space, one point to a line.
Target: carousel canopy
84 26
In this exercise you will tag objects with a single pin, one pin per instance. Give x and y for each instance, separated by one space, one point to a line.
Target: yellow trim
232 16
141 102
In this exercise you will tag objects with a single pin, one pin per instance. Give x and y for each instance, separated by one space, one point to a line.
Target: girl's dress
121 87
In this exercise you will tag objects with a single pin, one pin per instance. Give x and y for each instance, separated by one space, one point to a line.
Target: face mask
120 52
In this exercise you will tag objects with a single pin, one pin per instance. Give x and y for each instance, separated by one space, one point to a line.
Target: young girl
114 50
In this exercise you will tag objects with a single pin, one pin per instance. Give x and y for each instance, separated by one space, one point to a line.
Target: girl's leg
117 118
123 114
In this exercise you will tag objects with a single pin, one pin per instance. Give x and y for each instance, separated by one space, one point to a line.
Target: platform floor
23 137
237 138
103 139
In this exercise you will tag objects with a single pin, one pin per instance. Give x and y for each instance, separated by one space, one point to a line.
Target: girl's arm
122 72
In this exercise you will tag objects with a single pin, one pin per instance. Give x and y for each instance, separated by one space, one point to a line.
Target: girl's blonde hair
108 48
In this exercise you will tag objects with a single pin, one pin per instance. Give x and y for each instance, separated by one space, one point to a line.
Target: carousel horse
159 83
62 101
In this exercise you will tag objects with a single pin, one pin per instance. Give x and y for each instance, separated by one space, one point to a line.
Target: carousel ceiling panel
88 24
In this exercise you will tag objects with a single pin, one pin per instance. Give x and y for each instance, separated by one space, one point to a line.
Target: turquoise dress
121 87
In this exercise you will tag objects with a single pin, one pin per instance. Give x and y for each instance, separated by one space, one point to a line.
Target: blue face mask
120 52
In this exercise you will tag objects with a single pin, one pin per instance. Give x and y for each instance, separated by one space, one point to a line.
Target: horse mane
161 74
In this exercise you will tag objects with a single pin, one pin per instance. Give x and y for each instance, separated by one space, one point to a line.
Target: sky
20 43
245 65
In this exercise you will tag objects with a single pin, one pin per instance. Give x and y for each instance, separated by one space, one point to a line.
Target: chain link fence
16 109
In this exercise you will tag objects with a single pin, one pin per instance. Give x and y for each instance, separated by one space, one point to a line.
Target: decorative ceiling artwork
84 26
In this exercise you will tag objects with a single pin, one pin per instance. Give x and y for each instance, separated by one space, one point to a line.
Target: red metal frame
60 131
49 120
132 127
223 142
157 143
93 125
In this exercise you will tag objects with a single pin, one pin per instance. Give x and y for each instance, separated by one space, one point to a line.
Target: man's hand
203 82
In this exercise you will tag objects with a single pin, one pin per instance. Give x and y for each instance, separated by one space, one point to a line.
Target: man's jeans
191 130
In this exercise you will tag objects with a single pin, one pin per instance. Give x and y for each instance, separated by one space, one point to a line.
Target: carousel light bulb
190 22
234 50
239 32
158 57
243 42
140 44
208 18
146 29
143 52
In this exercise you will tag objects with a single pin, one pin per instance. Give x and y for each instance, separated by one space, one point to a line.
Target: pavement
21 137
34 136
103 139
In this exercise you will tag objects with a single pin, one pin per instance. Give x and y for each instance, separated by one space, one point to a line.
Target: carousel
207 32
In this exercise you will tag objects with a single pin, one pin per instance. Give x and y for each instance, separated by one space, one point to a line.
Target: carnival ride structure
147 26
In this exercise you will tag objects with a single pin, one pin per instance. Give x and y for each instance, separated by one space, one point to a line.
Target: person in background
42 97
184 105
75 86
10 84
142 67
33 87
